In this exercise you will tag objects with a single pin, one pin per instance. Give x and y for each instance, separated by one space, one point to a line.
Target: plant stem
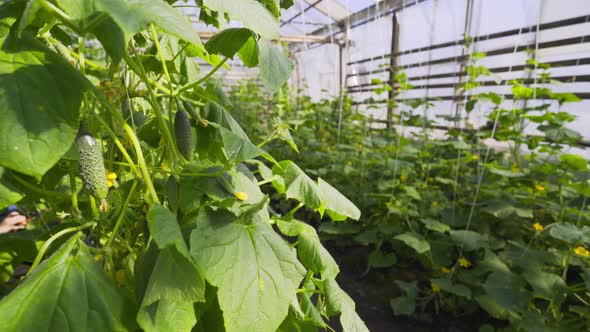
131 134
142 164
53 238
121 214
56 10
204 78
162 60
82 61
95 212
118 143
268 180
38 190
73 190
295 209
138 68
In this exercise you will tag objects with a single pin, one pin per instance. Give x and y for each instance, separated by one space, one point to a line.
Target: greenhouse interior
295 165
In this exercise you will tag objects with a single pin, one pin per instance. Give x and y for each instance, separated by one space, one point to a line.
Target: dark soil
372 292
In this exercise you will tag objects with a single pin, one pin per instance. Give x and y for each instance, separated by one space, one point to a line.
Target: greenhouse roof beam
368 14
282 38
311 5
333 9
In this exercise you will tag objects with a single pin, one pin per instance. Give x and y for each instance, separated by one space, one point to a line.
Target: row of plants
152 214
504 231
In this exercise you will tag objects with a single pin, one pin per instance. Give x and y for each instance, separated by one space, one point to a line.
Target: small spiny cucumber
184 135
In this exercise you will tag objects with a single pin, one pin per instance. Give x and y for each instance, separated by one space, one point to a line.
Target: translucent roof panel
357 5
302 18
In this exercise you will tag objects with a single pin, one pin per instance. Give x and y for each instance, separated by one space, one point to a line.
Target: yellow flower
403 178
434 204
582 251
463 262
242 196
349 163
538 227
435 287
445 270
515 168
474 157
111 178
539 187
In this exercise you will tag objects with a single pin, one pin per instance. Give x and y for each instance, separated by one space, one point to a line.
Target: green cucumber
91 166
184 135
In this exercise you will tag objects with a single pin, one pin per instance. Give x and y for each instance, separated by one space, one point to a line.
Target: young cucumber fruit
91 166
184 135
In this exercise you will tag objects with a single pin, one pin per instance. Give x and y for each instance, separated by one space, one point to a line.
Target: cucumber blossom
184 135
91 166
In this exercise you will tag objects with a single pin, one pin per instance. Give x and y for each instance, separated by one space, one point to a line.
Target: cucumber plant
461 229
152 219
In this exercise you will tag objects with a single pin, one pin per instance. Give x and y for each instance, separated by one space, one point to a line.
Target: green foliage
502 232
68 292
183 239
272 6
53 101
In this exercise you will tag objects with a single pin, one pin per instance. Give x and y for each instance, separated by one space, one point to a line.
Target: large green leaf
228 42
337 301
574 161
173 285
249 53
8 194
435 225
503 209
254 269
337 205
320 196
251 13
378 259
507 290
414 240
172 281
570 233
40 96
220 188
298 185
165 230
67 292
547 286
214 112
236 149
448 286
469 240
275 67
114 21
406 304
309 249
